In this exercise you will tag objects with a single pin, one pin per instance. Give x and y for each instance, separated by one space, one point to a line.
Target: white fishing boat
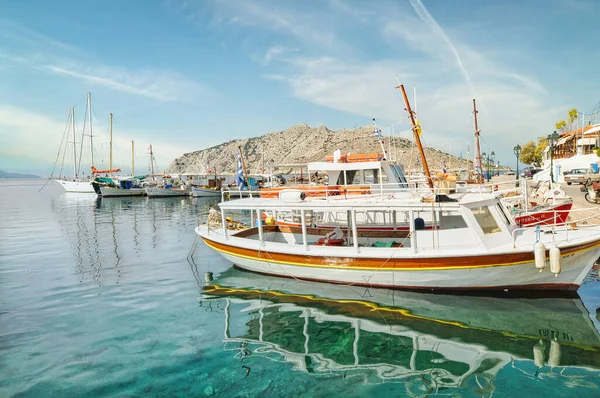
205 192
473 244
167 191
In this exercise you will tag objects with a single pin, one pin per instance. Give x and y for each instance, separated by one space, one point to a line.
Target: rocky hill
301 144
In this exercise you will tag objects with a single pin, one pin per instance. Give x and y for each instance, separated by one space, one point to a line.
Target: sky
186 75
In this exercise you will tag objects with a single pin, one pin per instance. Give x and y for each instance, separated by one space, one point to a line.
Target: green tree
567 125
529 154
539 149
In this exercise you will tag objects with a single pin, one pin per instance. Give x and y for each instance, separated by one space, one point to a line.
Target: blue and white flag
239 174
376 131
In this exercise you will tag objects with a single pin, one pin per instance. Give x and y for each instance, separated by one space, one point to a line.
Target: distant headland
4 174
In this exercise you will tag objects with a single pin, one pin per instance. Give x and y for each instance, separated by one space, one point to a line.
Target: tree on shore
532 153
564 126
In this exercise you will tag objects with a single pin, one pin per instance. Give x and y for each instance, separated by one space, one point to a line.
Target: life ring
330 242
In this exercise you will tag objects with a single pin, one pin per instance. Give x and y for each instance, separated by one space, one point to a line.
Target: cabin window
485 219
451 220
371 176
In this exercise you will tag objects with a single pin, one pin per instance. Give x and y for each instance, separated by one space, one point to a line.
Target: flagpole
244 169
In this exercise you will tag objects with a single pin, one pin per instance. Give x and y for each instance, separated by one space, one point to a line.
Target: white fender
555 266
292 195
539 251
538 354
554 356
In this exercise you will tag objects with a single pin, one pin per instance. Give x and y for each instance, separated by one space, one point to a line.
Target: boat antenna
416 128
377 133
477 149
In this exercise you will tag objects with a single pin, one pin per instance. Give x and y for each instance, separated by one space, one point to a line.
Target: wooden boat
167 191
474 244
204 192
405 337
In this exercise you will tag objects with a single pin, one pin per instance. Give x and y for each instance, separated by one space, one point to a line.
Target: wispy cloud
152 84
36 138
18 33
274 52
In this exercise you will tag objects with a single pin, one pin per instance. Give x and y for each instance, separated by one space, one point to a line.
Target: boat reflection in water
426 341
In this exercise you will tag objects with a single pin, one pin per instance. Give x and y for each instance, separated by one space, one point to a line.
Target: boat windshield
399 174
486 220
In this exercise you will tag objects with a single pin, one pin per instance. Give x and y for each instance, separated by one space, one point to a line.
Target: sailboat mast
152 163
89 98
110 146
416 130
132 159
477 147
74 142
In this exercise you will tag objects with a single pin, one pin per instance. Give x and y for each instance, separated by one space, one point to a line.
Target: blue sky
185 75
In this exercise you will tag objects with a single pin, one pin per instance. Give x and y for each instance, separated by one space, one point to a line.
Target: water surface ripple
97 298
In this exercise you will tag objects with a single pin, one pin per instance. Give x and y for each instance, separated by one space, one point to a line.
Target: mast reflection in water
430 342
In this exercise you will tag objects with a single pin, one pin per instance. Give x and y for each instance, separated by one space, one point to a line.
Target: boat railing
587 215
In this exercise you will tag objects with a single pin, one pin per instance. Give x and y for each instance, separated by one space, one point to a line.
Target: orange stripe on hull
381 264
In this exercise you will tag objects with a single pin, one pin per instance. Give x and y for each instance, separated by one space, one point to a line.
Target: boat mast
477 149
89 98
132 160
110 146
417 132
152 163
244 167
74 142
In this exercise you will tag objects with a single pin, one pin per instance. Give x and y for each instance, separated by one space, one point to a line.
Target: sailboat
78 183
127 186
167 189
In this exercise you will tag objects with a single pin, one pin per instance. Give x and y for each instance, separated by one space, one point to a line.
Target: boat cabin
472 223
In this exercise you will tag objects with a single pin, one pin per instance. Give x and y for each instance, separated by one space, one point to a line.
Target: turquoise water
98 298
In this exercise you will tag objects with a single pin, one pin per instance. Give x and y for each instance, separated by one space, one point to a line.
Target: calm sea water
98 298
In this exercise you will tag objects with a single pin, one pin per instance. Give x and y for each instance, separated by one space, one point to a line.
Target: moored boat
167 191
473 244
203 192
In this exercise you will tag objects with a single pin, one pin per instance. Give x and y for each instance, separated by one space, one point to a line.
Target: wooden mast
477 149
417 131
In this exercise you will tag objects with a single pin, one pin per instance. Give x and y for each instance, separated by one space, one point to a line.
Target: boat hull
108 192
156 192
76 186
513 271
557 215
205 193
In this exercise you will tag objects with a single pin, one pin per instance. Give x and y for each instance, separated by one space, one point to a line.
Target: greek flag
239 175
376 131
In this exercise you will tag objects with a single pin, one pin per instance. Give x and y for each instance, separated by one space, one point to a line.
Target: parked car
581 176
510 172
530 171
